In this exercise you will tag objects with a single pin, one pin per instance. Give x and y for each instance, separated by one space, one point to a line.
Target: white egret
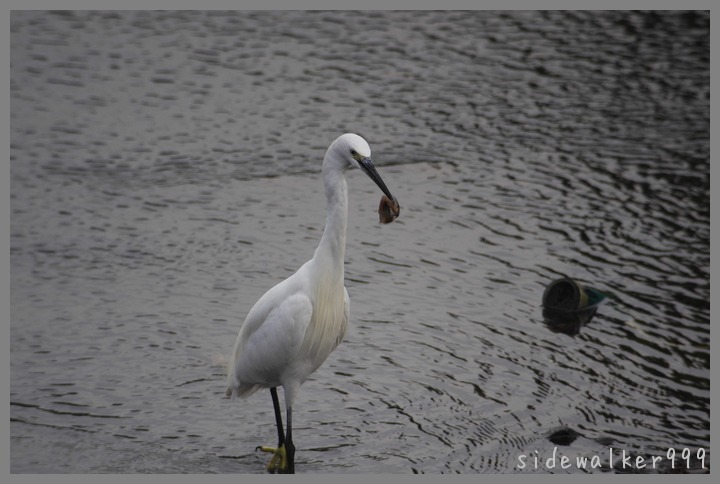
294 326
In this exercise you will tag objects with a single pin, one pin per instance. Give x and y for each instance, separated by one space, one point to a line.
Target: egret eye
353 152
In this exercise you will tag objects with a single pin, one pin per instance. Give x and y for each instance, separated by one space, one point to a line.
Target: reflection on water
165 173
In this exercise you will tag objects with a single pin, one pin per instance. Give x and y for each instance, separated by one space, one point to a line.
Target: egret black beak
367 166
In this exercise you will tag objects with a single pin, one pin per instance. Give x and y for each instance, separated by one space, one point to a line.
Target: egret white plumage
294 326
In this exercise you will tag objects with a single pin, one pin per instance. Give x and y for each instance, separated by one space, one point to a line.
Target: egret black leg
278 462
289 446
278 416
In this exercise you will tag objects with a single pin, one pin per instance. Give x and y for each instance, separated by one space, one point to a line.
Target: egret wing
268 342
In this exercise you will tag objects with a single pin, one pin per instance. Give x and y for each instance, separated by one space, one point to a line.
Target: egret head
351 150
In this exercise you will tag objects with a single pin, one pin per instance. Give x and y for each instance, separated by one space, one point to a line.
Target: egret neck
329 322
332 244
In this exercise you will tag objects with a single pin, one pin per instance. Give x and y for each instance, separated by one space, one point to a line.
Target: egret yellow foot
278 462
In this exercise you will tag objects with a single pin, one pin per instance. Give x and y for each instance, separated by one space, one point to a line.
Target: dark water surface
165 173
